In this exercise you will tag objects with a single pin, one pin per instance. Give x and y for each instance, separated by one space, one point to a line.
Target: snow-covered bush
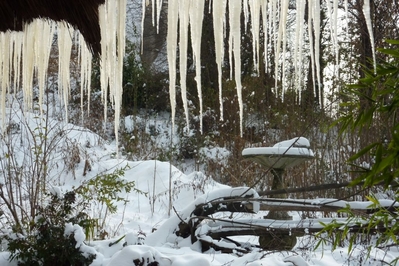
53 238
104 189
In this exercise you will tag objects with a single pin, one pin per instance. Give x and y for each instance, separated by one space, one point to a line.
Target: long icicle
316 27
196 18
184 21
43 48
171 46
283 29
255 9
235 47
264 8
311 39
367 16
219 21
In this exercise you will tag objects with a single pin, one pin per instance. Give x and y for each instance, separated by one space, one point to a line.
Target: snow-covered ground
147 222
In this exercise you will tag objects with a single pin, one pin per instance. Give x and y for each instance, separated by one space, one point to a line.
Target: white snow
294 147
136 219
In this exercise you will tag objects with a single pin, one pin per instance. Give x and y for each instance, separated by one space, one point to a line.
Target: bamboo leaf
363 151
391 52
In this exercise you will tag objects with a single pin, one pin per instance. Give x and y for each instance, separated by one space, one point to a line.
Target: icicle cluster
112 16
26 54
65 43
85 72
22 54
181 16
270 16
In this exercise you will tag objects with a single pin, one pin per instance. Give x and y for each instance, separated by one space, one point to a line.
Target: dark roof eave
80 14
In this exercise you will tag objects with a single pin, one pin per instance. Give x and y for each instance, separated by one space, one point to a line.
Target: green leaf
391 52
390 41
363 151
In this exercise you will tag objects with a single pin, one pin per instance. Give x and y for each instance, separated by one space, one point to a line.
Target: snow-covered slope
146 222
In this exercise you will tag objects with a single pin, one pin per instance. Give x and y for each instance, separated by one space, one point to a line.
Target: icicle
196 18
5 63
31 49
111 58
367 17
335 17
4 40
282 38
28 63
235 47
219 20
255 8
272 30
143 7
153 12
300 46
230 42
64 57
81 63
184 20
112 16
102 14
43 48
121 41
316 26
171 46
5 66
299 35
311 39
246 13
264 8
159 9
85 72
18 38
297 40
284 11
